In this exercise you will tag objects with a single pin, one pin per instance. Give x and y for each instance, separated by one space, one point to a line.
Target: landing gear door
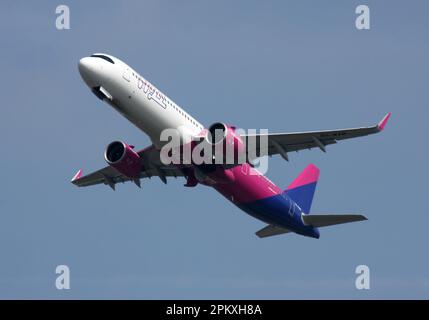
126 74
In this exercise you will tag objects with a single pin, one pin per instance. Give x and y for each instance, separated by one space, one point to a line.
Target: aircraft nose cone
84 66
87 70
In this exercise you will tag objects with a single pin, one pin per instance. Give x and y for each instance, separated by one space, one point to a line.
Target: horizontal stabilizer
324 220
271 230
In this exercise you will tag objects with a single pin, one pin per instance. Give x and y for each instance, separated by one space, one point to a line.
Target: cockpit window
103 57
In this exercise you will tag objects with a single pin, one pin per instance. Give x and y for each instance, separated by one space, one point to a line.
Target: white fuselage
136 98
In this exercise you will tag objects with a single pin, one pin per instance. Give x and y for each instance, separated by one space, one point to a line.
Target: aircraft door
126 74
293 208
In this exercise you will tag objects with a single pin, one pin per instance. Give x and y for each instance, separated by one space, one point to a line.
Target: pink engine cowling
123 158
224 139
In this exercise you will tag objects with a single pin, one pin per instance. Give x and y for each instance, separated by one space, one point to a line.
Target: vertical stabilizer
301 190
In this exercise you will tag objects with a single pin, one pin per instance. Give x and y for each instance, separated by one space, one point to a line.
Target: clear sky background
281 65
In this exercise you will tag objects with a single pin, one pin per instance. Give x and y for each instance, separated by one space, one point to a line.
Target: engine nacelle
227 142
123 158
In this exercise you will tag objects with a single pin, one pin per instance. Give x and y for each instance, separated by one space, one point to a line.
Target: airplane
144 105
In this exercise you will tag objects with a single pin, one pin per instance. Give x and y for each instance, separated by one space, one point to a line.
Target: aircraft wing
282 143
151 166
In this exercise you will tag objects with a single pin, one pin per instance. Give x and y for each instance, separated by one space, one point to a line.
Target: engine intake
216 133
123 158
226 143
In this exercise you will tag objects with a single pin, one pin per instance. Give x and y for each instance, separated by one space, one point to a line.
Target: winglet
77 175
383 122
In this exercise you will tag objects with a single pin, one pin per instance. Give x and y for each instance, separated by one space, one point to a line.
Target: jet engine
123 158
226 143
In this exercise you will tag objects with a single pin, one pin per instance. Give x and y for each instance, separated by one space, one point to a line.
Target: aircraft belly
271 210
257 196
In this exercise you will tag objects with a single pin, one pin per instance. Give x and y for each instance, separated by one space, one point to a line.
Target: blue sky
281 65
